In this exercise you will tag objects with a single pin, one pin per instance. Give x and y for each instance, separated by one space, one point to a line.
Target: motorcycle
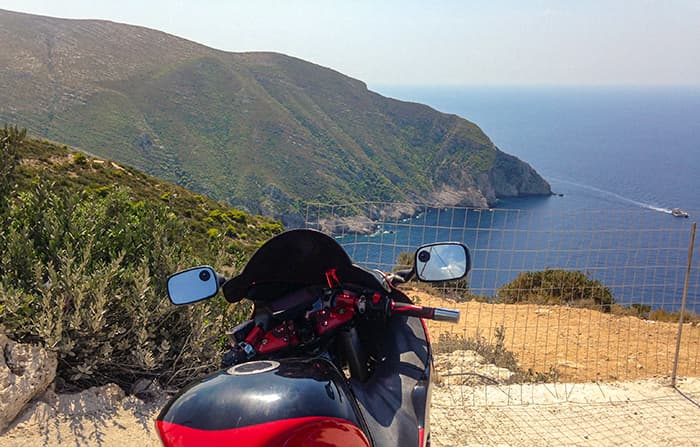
334 354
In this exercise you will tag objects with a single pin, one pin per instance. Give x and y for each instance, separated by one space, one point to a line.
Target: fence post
683 304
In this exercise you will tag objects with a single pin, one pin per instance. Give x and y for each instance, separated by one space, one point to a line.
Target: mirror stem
405 275
220 279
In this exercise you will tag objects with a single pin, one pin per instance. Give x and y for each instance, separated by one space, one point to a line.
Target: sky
449 42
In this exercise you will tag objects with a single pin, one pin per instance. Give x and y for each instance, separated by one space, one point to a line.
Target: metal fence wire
553 299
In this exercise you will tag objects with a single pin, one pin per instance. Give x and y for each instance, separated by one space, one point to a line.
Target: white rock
25 372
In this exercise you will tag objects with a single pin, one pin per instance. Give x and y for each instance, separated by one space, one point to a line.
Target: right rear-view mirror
445 261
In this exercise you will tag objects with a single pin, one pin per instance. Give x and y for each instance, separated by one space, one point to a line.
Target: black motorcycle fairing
293 388
388 399
295 259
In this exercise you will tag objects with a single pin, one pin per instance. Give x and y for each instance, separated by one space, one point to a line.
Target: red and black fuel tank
290 402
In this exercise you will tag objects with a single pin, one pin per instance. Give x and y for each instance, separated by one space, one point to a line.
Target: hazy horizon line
372 85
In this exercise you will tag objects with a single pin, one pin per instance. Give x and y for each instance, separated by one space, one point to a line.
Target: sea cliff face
512 177
507 176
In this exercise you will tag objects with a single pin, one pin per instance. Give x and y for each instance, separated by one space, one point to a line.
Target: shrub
238 216
83 263
10 139
633 310
85 276
218 215
455 290
674 317
557 287
79 158
404 261
495 353
271 228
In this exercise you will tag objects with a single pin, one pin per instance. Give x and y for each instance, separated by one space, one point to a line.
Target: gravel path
643 413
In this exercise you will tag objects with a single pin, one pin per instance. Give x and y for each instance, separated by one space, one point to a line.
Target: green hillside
263 131
79 177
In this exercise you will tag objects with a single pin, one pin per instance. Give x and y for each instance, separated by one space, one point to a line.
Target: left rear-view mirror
445 261
192 285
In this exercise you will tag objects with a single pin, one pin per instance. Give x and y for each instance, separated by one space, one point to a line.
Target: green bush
84 255
271 228
238 216
404 261
557 287
85 275
79 159
673 317
10 139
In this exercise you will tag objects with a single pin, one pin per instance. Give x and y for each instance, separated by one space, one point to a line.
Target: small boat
679 212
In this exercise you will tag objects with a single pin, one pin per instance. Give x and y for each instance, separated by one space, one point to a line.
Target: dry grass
580 344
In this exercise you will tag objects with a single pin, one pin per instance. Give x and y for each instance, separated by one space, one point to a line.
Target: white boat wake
615 196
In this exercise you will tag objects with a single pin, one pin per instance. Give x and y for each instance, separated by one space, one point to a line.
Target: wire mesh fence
569 321
570 297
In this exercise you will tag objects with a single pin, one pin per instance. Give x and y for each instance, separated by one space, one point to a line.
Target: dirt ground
105 418
579 344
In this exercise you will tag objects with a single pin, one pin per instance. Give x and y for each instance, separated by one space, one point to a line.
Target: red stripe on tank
307 431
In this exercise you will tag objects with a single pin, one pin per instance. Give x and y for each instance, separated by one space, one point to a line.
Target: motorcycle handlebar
431 313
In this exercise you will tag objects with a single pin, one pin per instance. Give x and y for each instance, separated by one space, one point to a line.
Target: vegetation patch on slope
85 248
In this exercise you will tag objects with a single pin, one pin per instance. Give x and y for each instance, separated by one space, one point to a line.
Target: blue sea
621 158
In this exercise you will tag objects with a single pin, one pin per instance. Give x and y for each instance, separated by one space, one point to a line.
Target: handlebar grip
431 313
446 315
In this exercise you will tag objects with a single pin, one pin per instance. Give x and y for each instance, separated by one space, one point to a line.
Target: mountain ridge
259 130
